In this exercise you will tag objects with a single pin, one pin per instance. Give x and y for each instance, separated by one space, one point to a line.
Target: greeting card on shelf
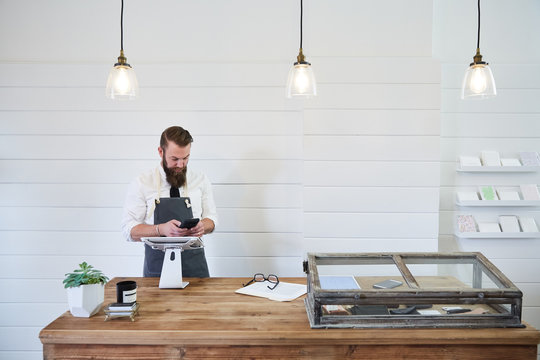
467 196
528 224
530 192
469 161
509 223
488 193
510 162
529 158
489 227
507 194
466 223
491 158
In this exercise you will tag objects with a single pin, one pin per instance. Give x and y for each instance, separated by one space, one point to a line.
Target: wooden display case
437 290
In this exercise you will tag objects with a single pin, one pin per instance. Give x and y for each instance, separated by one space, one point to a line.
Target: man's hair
177 135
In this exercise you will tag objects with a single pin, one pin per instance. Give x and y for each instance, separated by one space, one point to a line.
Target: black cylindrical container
126 292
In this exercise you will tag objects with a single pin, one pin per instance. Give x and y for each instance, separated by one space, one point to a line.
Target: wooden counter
208 320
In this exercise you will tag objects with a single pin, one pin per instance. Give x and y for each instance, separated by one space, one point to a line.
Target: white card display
491 158
509 223
529 158
467 195
507 194
528 224
530 192
466 223
489 227
469 161
488 193
510 162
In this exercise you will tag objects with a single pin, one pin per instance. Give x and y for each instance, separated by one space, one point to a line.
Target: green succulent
85 274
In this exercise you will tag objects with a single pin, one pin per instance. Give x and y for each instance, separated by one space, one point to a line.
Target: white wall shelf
497 203
498 169
497 235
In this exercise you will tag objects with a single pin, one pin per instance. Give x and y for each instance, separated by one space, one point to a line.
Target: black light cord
478 38
301 17
122 27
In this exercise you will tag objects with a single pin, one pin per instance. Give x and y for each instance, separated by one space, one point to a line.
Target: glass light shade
122 83
301 81
478 82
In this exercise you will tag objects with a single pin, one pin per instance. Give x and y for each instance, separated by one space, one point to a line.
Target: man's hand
197 230
171 228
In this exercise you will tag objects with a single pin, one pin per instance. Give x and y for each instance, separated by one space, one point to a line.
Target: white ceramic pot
85 300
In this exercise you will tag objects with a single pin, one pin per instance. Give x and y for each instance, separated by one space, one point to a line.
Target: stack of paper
491 158
282 292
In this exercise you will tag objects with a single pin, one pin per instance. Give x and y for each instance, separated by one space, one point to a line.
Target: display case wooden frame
505 301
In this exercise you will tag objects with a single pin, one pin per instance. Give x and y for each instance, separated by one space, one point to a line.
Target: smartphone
188 223
387 284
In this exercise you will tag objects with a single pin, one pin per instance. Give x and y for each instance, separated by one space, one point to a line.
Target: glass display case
403 290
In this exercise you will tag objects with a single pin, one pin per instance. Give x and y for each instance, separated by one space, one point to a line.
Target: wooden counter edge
527 336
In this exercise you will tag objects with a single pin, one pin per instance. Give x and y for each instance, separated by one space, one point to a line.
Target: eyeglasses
260 278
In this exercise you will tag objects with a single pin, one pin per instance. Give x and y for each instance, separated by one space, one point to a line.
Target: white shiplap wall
355 169
508 123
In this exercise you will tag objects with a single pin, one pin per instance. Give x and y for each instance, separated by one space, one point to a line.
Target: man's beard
177 179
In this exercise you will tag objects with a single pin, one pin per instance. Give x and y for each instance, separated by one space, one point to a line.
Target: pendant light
478 82
122 83
301 81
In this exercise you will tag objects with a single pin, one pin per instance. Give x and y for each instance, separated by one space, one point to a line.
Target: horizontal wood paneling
371 122
247 266
159 99
20 338
150 123
81 243
370 225
373 148
108 219
55 266
368 173
113 171
362 245
486 126
24 290
22 355
145 147
375 96
389 70
370 199
36 314
67 243
453 148
517 101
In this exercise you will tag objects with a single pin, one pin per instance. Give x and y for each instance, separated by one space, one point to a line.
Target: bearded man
160 200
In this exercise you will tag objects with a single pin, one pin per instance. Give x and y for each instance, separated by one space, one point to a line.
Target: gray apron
193 261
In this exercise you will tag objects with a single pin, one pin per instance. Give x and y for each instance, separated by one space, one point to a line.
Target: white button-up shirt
143 191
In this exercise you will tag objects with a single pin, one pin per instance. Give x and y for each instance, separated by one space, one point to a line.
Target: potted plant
86 290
